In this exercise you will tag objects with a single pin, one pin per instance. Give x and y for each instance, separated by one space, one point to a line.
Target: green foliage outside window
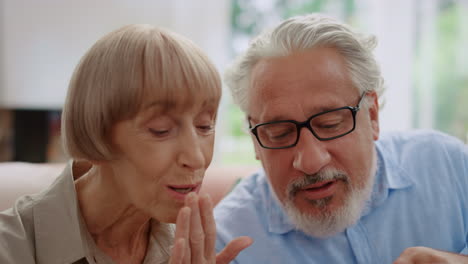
449 70
247 20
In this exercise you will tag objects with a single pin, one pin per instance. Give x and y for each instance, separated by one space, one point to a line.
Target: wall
2 60
392 22
42 41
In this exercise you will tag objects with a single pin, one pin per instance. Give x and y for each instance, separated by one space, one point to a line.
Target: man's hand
419 255
195 235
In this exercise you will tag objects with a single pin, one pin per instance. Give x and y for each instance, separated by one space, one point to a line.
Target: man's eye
331 125
277 136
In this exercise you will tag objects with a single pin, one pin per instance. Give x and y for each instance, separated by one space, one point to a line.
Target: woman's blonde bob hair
122 71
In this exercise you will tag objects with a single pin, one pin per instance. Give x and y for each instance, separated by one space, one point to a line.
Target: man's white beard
327 223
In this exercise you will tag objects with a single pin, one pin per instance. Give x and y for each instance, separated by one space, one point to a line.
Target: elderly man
331 190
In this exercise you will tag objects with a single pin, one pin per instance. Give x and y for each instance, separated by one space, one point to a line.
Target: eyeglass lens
325 126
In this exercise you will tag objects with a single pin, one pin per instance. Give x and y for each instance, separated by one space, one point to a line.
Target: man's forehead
316 67
298 106
269 71
280 89
298 112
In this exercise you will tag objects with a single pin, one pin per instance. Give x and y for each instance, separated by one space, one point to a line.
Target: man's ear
374 114
254 140
256 148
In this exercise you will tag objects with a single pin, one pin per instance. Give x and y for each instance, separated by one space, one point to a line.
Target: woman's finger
197 236
209 226
178 251
230 252
182 232
183 224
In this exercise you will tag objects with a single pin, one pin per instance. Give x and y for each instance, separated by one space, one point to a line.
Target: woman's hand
195 235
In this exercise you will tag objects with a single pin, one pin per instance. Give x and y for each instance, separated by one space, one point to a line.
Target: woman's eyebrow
210 101
160 104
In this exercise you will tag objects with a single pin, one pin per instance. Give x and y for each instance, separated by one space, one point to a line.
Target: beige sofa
20 178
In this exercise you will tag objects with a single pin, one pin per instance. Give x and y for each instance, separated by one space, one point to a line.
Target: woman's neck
119 229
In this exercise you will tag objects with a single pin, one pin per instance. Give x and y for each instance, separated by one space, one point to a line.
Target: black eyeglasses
324 126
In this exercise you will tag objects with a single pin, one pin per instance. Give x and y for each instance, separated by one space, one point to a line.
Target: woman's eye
159 132
207 128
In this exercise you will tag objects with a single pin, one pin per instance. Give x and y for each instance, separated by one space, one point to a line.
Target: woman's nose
192 155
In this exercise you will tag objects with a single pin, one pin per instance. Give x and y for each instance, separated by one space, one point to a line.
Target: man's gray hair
303 33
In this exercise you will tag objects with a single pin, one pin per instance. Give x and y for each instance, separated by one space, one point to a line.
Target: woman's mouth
180 191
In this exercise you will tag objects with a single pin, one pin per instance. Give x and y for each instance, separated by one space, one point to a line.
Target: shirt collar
389 176
159 249
278 222
392 175
56 222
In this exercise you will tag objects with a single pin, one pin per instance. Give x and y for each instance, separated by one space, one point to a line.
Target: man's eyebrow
270 119
320 109
281 117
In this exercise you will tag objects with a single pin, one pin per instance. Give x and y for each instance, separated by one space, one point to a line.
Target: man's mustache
309 179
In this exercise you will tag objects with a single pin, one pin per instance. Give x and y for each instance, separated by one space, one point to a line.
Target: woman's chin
169 215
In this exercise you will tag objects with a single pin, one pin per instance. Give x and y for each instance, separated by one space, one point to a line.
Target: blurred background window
422 50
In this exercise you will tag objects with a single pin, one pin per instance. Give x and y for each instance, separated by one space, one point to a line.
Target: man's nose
311 154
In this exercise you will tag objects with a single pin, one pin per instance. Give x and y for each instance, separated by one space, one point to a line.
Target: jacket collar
56 222
57 226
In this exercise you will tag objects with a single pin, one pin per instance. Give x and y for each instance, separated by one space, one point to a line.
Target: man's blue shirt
419 198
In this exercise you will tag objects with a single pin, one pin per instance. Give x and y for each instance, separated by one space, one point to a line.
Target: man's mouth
319 186
319 190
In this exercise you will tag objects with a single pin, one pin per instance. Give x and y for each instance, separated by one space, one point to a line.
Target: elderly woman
138 124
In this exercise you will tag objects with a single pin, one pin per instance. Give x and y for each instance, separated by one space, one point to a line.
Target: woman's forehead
180 104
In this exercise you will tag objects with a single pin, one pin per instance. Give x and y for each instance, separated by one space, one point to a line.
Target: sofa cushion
20 178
